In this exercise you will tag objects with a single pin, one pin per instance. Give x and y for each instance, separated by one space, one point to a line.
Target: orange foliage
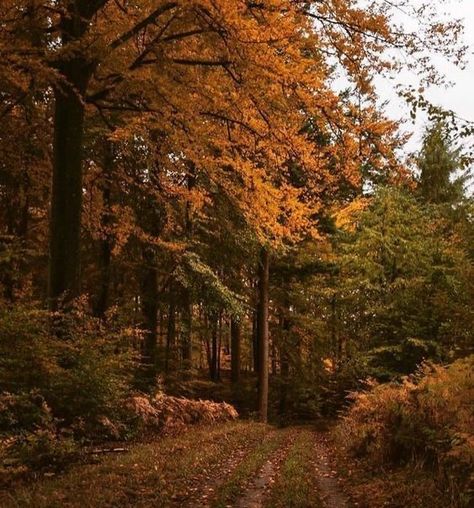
227 86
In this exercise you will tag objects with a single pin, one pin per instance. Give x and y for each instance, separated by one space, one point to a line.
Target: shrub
80 379
23 411
426 420
44 449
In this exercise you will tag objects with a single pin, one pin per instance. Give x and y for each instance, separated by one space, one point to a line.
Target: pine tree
441 180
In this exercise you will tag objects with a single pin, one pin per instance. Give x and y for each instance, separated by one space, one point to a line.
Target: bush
44 449
427 420
23 411
79 380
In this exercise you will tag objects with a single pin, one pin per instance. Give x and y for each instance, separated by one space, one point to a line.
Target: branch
183 35
143 24
210 63
155 41
224 118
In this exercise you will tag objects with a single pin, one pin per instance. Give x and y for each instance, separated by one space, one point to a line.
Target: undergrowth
424 423
66 381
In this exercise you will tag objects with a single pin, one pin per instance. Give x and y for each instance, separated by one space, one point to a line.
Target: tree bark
186 329
105 244
255 355
66 196
66 199
187 347
171 330
284 359
149 304
263 339
214 348
219 346
235 358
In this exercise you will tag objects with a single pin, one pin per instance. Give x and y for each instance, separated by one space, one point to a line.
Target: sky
459 97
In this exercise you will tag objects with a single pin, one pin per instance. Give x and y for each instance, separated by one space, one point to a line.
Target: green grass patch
294 486
247 469
153 474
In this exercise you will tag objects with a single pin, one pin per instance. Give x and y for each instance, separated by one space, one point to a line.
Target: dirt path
256 491
327 481
240 465
328 489
205 483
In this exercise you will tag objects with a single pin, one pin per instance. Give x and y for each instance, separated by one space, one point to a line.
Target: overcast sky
459 97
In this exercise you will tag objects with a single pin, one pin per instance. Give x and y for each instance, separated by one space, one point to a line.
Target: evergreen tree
441 179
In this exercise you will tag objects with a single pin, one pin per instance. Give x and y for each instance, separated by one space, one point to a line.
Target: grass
294 486
248 469
159 474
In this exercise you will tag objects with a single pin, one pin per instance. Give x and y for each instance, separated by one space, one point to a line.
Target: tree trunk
284 358
66 196
171 331
149 304
263 340
186 329
187 347
235 359
66 199
219 347
214 347
255 355
105 244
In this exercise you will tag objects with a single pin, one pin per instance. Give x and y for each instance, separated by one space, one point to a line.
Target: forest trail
327 480
291 467
253 496
241 465
319 486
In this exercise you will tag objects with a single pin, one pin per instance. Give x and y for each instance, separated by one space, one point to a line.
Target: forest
228 276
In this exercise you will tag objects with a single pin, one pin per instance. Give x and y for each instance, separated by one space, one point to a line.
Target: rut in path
327 485
327 481
255 493
206 483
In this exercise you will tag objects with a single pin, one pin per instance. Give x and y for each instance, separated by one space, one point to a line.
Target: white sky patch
459 97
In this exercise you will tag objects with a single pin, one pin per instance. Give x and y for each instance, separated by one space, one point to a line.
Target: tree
262 333
402 278
184 136
146 59
236 338
438 163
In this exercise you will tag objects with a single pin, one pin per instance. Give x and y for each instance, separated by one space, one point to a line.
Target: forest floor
239 464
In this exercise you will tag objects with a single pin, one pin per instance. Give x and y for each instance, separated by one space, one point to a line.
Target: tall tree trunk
187 347
66 197
219 346
214 347
263 339
160 340
207 343
255 355
186 329
171 331
105 244
149 307
284 358
235 358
